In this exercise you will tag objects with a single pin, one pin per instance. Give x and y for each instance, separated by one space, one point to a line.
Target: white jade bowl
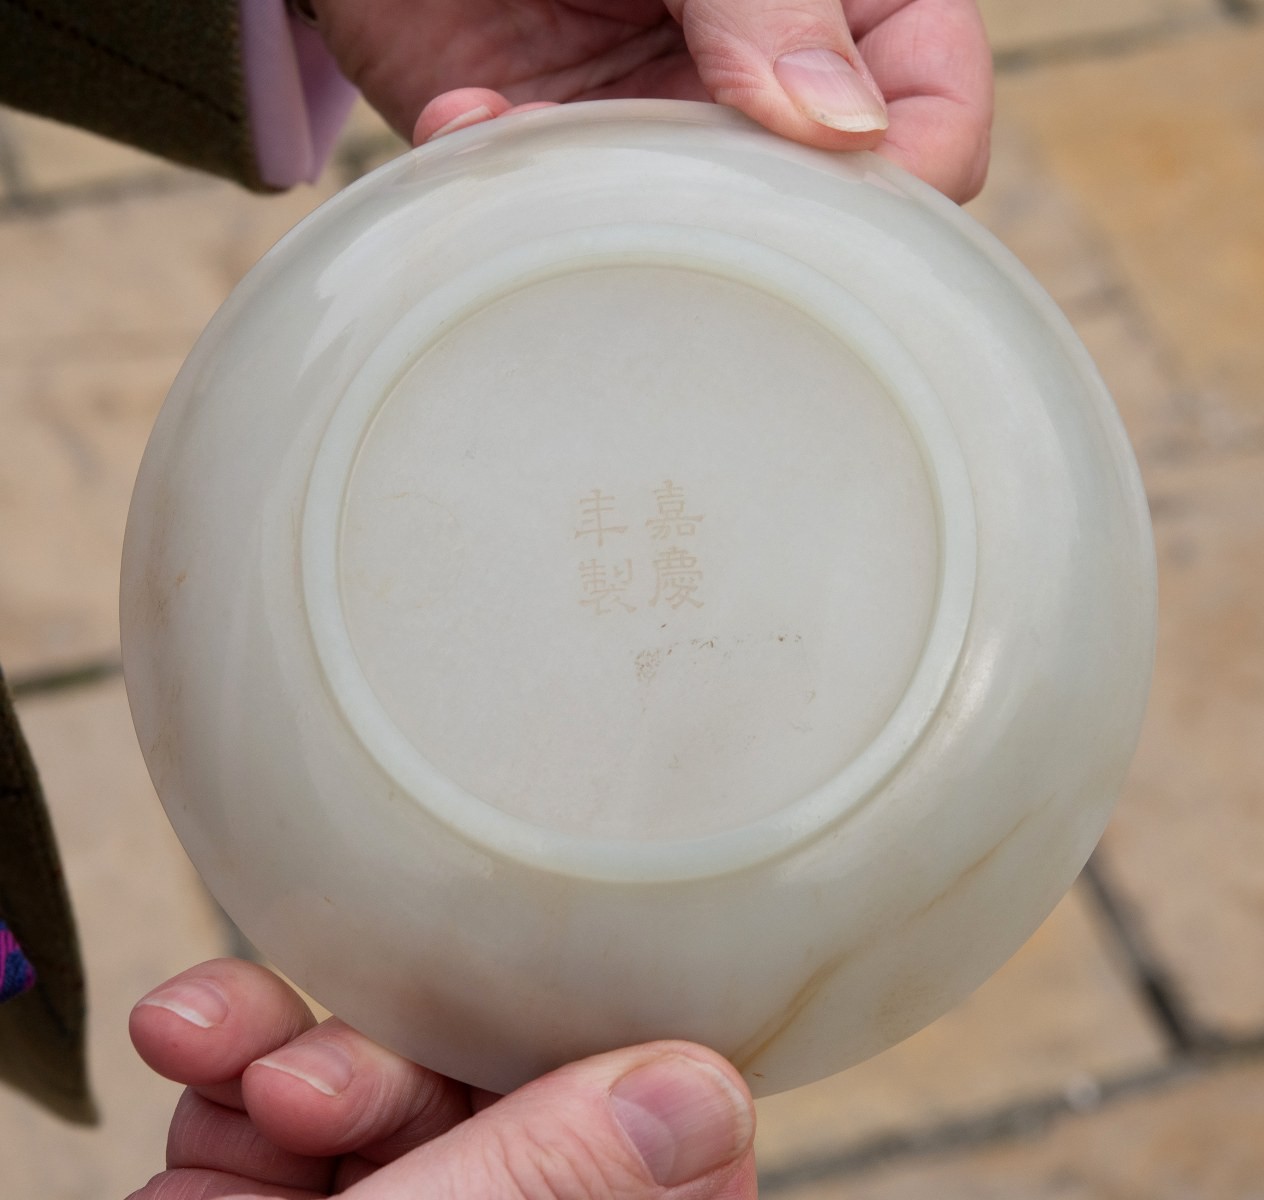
613 574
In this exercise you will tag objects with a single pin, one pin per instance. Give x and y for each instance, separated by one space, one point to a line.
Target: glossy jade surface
612 574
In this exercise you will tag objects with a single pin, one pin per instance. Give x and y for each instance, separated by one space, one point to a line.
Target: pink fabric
298 98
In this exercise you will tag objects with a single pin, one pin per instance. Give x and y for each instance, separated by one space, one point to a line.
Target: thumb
668 1120
794 68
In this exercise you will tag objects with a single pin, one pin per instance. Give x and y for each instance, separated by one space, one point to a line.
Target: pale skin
279 1106
427 64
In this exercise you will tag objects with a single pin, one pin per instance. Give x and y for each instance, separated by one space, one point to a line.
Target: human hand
278 1106
795 68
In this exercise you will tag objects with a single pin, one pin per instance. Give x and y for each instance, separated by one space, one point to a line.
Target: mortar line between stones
81 674
1241 10
1151 980
1025 1119
159 182
1112 43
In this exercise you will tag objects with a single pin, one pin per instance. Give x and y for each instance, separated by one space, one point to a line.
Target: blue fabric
16 973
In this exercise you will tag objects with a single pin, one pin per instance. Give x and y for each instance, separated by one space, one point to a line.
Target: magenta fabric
16 973
298 98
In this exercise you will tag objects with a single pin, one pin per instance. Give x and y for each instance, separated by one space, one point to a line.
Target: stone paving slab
1039 222
1034 24
86 278
1058 1019
1162 149
1190 1138
1053 234
143 916
74 432
48 157
1161 154
99 304
1186 848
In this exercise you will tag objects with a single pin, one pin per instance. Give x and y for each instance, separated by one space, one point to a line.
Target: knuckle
558 1164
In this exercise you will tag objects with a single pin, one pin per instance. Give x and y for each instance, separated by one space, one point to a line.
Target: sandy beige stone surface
99 304
1161 148
1188 1138
1158 153
48 157
1187 844
1035 25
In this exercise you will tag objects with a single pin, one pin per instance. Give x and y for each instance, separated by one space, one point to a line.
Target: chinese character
593 510
605 587
677 577
671 514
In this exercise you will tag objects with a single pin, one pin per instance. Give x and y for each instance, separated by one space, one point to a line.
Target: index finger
205 1026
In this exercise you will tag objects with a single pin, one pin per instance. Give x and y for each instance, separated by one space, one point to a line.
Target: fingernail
197 1001
684 1117
827 89
326 1066
473 117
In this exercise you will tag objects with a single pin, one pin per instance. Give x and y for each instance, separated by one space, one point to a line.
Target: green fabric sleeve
163 75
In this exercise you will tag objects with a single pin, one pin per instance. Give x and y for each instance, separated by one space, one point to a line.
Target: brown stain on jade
753 1049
